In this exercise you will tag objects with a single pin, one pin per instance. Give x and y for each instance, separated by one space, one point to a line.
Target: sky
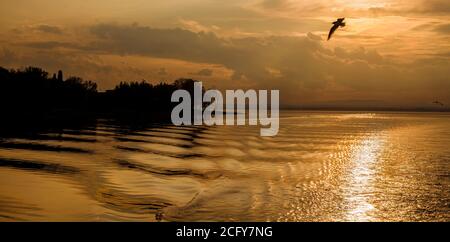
391 53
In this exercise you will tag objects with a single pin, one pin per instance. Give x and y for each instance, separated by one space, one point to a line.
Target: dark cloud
167 43
50 45
247 57
277 62
203 72
406 8
443 54
443 28
434 6
49 29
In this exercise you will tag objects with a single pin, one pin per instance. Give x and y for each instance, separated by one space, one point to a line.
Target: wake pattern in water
321 166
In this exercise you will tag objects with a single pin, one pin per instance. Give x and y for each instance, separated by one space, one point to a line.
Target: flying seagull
438 103
336 24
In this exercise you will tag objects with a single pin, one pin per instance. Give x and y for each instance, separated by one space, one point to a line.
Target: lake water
322 166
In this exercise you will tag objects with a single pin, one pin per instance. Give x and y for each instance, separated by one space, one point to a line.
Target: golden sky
392 52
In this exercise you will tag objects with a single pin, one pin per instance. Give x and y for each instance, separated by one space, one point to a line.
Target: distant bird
438 103
336 24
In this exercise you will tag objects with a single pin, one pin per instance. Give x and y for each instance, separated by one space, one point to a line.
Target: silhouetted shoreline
30 97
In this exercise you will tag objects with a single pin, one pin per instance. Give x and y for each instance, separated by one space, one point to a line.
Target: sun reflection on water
359 187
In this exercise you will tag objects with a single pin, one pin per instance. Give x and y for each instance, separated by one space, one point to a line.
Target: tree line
32 92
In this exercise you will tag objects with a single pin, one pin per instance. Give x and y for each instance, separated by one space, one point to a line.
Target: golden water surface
322 166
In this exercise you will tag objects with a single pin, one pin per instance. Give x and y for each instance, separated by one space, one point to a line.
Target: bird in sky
438 103
336 24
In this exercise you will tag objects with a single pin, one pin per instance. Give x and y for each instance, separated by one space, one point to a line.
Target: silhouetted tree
60 76
31 92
